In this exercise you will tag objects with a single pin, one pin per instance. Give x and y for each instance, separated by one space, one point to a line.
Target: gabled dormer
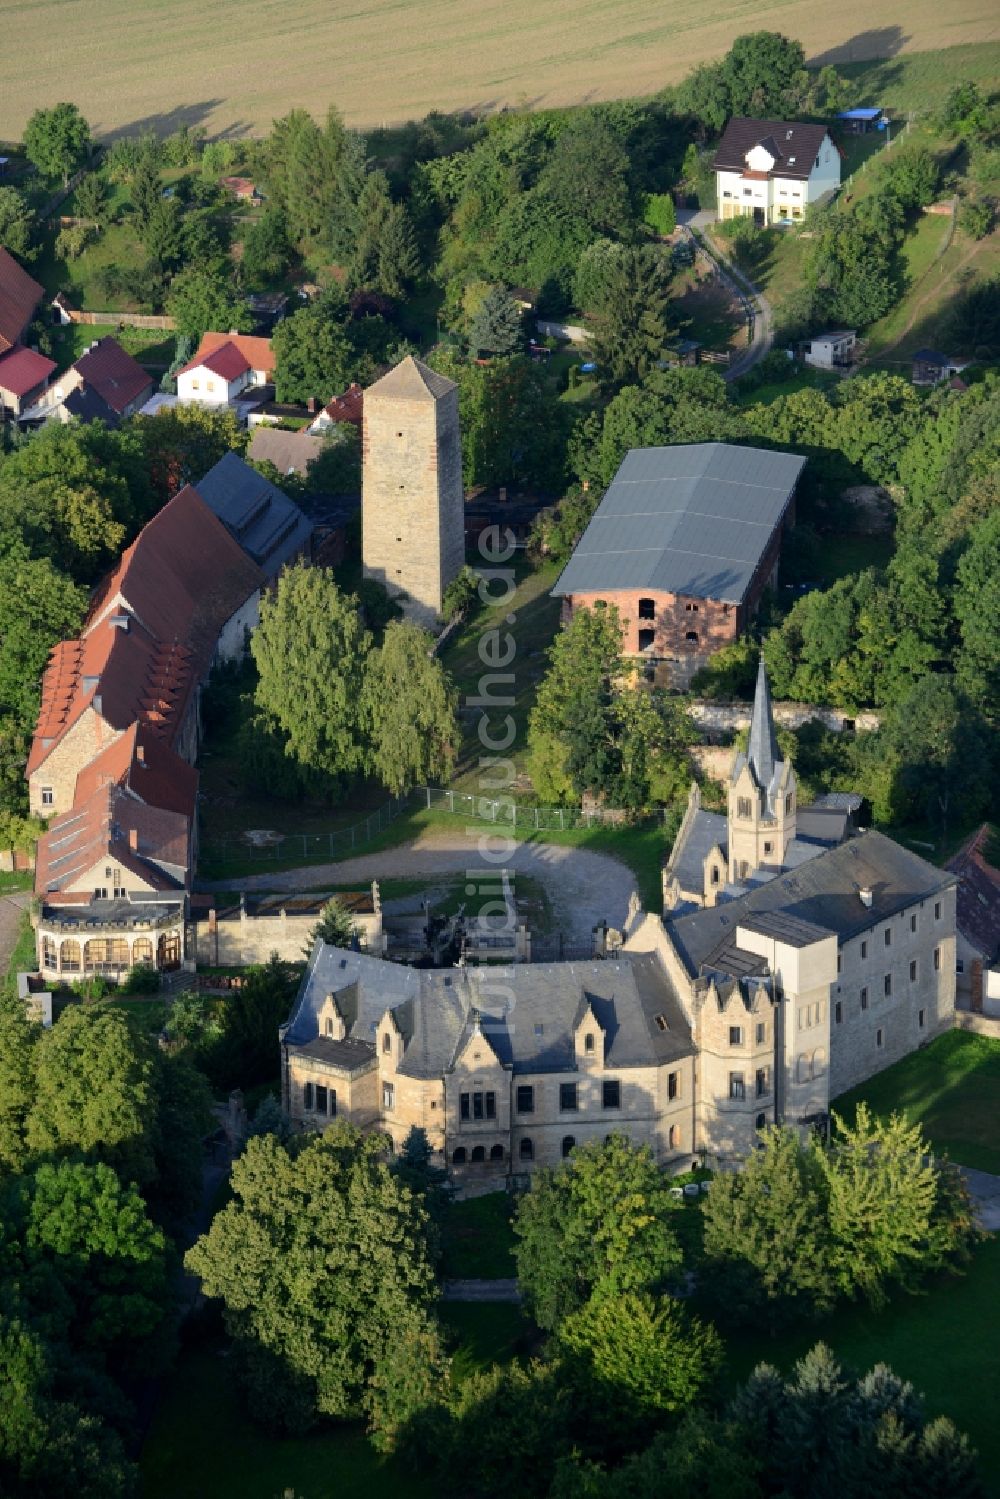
330 1019
390 1043
475 1051
588 1037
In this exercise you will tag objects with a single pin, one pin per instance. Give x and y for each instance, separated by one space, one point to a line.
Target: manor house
805 959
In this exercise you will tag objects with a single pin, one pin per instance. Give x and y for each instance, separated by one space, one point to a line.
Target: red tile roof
19 296
112 824
348 407
113 373
125 674
226 361
183 577
145 766
22 370
256 352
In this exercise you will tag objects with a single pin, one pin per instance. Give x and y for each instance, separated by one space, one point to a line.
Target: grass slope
952 1087
238 64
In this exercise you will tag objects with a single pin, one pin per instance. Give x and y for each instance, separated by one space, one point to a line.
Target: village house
774 169
290 452
804 975
105 383
344 410
829 351
226 367
24 378
116 738
931 368
683 545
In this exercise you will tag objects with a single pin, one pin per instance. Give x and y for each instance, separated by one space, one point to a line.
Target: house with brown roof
24 378
105 384
20 294
225 366
117 734
774 169
346 409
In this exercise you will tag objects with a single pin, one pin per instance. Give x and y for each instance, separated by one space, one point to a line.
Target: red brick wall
712 622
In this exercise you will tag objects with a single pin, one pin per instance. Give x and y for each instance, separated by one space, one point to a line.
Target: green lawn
804 379
952 1087
946 1342
921 80
478 1239
152 349
15 880
23 957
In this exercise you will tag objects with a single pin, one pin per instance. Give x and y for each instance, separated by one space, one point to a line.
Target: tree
17 224
977 601
87 1238
91 198
600 1220
322 1266
265 248
408 710
629 326
912 176
585 658
586 176
246 1053
95 1091
313 354
18 1035
766 1238
163 232
310 650
334 927
181 443
974 320
56 140
38 607
497 327
765 74
641 1354
659 214
894 1212
975 217
200 302
939 752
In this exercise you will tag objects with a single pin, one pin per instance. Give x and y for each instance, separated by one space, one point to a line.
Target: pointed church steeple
763 753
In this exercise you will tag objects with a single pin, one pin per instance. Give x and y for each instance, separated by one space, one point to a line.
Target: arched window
479 1153
568 1145
458 1156
760 1122
526 1150
674 1137
70 956
142 950
496 1153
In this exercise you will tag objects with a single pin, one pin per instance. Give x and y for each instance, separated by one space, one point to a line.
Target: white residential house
774 169
829 351
225 366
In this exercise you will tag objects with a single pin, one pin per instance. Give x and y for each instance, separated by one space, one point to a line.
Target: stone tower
413 504
762 795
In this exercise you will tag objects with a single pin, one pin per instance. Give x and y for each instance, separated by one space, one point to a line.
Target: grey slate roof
269 526
695 519
824 892
763 754
687 861
527 1013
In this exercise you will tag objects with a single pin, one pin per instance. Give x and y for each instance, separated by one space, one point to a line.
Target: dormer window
588 1043
386 1041
328 1028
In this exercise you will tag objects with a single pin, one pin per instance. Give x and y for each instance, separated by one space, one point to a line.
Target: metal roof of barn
695 520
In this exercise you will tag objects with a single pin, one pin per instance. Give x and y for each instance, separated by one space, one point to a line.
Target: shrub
71 243
975 218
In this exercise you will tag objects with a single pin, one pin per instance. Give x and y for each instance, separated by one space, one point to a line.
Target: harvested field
236 65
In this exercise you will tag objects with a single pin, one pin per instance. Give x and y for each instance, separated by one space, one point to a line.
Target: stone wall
712 716
236 939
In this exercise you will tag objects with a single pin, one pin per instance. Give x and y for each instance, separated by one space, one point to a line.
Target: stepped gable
111 824
183 577
141 763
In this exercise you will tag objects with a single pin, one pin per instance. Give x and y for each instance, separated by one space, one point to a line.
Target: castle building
804 958
412 518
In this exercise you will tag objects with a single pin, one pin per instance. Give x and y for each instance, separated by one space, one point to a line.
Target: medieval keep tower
762 795
413 503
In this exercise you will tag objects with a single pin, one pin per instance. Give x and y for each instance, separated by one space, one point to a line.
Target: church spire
762 749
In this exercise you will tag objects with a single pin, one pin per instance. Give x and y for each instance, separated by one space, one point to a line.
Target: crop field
234 66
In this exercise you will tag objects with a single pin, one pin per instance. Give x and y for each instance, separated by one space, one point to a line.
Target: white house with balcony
774 169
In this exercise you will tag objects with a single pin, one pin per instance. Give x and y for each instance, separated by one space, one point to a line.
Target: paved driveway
584 888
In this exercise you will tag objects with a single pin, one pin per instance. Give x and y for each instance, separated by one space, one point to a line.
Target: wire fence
265 846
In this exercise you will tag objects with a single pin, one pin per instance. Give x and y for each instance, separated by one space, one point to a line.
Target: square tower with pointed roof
413 521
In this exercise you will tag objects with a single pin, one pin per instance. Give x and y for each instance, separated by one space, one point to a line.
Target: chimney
866 894
133 839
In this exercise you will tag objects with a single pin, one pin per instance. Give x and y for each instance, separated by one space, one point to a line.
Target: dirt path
931 294
741 286
584 888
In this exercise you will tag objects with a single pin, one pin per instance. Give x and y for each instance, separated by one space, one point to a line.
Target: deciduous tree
56 140
408 710
17 224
